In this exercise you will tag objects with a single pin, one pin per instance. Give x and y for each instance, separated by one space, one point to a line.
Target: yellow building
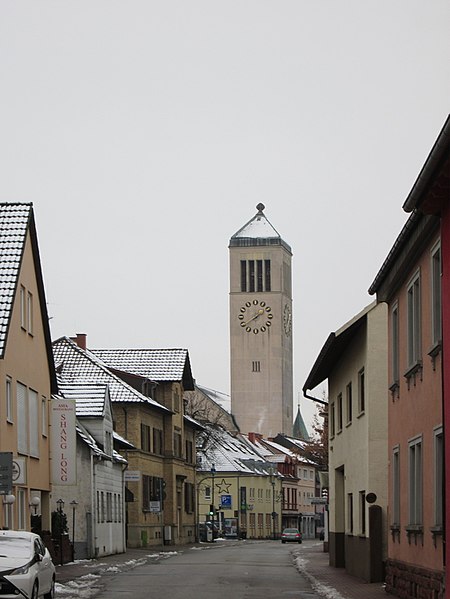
26 371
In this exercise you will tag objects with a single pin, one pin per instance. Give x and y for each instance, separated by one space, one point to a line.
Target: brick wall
410 582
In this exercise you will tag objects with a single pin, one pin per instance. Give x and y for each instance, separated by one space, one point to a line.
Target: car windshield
291 530
14 547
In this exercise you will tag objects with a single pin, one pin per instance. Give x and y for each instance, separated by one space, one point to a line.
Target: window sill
413 372
414 531
435 350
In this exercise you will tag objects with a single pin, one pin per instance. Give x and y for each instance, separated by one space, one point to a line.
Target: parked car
291 535
26 567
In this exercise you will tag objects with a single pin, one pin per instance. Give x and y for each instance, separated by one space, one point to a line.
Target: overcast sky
145 133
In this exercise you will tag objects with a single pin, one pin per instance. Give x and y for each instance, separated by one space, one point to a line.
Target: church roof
258 231
300 431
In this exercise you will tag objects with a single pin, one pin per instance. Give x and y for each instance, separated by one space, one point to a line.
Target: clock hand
260 311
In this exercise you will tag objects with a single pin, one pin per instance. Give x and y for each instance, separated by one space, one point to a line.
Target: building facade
261 328
354 361
26 371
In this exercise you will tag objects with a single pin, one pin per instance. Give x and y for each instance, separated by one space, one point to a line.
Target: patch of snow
319 587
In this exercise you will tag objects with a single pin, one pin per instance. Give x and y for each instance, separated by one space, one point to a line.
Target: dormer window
108 443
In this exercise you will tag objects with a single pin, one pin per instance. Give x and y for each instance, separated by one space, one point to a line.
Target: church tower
261 328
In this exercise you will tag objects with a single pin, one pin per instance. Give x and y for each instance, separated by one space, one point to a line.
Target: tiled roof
154 364
87 438
14 221
75 365
220 398
230 454
90 399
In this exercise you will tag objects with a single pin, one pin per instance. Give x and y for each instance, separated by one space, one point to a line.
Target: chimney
254 437
80 340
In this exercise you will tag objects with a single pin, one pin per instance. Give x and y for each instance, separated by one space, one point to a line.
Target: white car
26 567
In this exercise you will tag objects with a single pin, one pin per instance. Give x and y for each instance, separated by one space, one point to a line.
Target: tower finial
260 207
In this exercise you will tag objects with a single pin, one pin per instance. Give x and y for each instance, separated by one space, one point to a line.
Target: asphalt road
240 571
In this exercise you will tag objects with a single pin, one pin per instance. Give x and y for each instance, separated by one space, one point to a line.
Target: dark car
291 535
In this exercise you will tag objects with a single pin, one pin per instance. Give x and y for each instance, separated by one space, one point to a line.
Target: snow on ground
85 587
323 589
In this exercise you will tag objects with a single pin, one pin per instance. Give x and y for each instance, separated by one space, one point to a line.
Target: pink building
409 281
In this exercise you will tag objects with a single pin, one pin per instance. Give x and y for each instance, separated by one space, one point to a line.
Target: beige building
261 328
354 360
26 370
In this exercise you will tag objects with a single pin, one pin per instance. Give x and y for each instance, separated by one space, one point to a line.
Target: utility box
167 534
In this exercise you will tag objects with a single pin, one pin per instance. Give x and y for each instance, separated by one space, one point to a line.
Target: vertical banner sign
64 442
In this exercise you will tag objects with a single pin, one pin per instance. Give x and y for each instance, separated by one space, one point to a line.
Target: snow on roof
154 364
220 398
14 221
230 453
122 441
260 230
87 438
90 398
76 365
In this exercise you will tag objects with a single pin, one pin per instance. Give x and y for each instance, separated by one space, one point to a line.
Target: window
207 492
189 498
267 275
438 477
23 308
33 406
255 275
414 329
361 391
251 275
189 451
157 441
145 437
395 345
21 510
44 416
243 275
332 420
256 366
259 275
415 482
108 442
22 418
176 399
9 404
350 513
109 507
151 491
30 312
396 487
436 321
339 413
349 402
362 512
177 445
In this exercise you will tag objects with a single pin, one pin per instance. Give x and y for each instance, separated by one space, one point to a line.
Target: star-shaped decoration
223 486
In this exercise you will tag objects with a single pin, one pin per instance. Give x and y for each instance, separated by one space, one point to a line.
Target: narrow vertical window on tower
259 274
256 366
251 275
243 275
267 275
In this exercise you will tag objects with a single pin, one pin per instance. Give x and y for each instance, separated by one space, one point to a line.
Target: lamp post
213 472
272 482
60 504
74 504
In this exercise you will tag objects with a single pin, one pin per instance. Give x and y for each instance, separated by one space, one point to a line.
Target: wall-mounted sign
19 471
64 442
225 502
132 476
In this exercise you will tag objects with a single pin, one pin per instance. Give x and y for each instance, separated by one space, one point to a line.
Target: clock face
255 317
287 320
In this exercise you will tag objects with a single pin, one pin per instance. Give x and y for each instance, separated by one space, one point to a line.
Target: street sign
225 502
6 472
319 501
155 506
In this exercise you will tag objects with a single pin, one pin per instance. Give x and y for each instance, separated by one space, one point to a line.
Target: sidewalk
310 559
314 564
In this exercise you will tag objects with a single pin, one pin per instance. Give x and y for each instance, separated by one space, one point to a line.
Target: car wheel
35 591
283 542
51 593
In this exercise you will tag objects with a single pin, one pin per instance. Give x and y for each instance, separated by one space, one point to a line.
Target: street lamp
34 503
74 504
213 472
272 482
